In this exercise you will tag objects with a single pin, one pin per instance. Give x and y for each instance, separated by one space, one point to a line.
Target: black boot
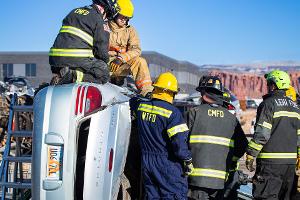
67 76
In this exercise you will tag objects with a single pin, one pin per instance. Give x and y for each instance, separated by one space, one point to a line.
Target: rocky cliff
250 85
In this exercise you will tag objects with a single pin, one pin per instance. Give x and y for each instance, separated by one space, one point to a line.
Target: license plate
54 162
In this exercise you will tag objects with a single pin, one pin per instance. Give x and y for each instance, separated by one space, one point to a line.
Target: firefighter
291 93
274 142
298 172
125 50
166 159
217 141
80 50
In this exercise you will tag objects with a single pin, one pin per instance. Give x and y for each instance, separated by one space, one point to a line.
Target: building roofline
24 52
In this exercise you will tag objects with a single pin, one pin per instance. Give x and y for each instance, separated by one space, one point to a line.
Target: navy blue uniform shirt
162 128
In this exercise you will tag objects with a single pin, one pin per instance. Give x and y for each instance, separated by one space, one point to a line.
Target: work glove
249 163
234 166
188 167
115 64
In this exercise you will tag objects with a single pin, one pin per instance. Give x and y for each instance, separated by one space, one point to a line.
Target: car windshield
251 101
17 81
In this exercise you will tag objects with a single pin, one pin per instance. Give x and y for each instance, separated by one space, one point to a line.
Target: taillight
111 158
230 107
93 100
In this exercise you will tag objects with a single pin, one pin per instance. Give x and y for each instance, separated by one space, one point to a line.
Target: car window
233 98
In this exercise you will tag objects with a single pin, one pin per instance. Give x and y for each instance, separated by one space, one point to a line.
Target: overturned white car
80 141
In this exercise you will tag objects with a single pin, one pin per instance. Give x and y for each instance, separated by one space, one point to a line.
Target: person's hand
249 163
112 53
115 64
188 167
298 163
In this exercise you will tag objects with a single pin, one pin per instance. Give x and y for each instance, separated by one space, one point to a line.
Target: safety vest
161 124
216 140
277 131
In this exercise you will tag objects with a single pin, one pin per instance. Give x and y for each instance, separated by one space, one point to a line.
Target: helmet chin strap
163 94
272 87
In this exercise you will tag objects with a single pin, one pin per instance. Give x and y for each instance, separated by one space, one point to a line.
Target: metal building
35 67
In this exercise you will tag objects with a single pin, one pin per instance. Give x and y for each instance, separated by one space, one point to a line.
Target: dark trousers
94 70
200 193
163 178
273 181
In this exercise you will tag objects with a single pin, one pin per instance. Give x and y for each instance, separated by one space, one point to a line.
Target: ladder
19 186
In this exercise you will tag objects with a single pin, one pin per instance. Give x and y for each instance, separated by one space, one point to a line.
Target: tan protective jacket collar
115 28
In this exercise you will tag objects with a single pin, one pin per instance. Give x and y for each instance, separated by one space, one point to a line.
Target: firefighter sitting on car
125 50
79 52
166 159
275 140
217 141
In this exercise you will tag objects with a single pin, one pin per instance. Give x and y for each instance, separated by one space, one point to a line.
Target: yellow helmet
291 93
126 8
167 81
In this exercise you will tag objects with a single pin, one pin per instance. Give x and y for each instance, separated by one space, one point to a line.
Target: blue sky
199 31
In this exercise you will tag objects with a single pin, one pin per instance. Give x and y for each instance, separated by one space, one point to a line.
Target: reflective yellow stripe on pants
142 83
277 155
71 52
210 173
79 76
